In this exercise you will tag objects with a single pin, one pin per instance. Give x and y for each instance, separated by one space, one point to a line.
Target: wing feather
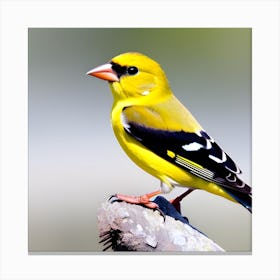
195 152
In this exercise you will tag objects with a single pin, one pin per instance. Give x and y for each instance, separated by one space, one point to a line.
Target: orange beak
104 72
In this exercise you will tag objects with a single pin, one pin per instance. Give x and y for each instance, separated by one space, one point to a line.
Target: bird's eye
132 70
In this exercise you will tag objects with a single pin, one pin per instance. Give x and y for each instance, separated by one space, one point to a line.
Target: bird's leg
176 202
143 199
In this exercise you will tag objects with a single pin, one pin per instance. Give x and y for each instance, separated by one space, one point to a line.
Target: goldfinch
162 137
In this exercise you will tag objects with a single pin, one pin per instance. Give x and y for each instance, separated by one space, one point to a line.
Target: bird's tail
244 199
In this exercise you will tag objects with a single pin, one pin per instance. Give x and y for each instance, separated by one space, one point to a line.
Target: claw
113 198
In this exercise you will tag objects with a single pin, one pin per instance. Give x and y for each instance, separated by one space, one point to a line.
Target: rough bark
127 227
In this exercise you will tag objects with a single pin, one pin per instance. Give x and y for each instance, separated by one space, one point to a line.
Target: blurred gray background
75 162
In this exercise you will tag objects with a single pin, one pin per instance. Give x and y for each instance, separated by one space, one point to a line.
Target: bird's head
133 75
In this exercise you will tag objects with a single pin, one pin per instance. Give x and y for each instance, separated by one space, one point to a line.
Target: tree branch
128 227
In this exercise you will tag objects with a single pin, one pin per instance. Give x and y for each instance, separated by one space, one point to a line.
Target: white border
17 16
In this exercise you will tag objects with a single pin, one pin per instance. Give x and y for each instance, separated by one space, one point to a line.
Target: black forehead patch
120 70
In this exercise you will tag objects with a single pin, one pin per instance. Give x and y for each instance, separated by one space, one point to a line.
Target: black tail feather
243 198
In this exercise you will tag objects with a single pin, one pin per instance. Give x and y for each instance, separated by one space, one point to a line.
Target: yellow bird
162 137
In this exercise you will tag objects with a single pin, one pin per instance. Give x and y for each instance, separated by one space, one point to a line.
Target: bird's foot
142 199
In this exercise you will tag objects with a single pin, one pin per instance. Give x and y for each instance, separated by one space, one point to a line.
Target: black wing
195 152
